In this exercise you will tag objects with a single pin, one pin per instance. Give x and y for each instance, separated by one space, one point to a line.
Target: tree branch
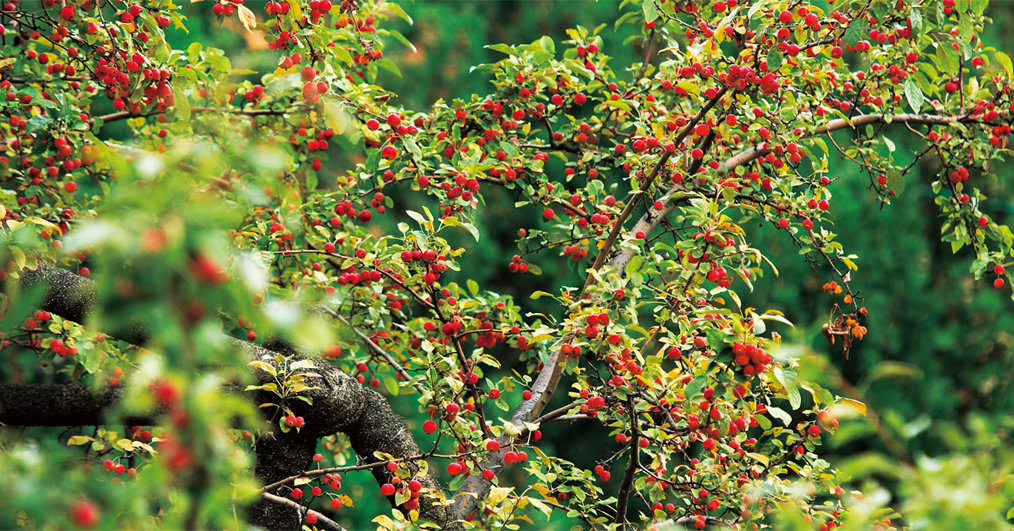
340 404
123 115
650 221
322 520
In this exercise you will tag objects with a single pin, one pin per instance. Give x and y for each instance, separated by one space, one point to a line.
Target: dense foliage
226 213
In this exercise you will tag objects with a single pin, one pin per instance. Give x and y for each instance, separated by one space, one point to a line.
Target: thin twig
322 520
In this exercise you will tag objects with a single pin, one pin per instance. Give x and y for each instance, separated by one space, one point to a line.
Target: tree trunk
340 404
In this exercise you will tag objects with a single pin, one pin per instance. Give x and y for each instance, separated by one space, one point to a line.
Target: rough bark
340 404
60 405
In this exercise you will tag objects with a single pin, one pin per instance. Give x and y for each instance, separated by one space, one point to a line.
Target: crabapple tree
222 310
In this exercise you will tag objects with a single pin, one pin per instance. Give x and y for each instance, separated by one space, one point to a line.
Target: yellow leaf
35 220
126 444
19 257
854 405
337 119
384 521
542 507
346 501
78 440
247 17
266 367
542 489
497 495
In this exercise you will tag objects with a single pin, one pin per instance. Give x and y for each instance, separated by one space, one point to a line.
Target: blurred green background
937 363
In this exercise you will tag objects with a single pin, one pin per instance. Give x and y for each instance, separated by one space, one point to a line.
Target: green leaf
401 38
343 54
220 63
37 122
946 59
181 103
695 386
757 6
914 95
455 222
774 59
854 33
389 65
546 42
391 385
650 10
896 182
504 48
397 10
473 287
413 148
780 414
916 17
1004 60
965 28
372 161
194 52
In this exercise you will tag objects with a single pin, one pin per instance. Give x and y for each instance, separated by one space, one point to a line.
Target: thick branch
340 404
60 405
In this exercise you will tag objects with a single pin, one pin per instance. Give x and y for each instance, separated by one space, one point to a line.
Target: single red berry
84 514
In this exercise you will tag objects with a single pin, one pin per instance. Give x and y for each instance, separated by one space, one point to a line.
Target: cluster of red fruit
433 265
753 360
118 469
62 349
517 266
832 287
293 421
345 208
397 485
226 9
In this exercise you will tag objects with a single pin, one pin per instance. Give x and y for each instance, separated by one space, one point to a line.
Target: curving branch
651 219
123 115
340 404
322 520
